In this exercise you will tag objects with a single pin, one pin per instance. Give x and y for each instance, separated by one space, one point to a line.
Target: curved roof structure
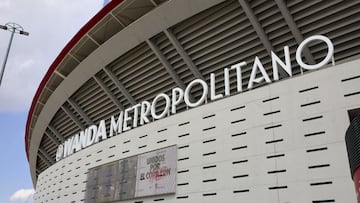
52 69
134 49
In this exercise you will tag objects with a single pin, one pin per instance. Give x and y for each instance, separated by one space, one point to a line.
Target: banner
152 173
156 172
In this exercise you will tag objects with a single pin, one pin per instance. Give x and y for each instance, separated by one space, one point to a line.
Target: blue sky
51 24
14 168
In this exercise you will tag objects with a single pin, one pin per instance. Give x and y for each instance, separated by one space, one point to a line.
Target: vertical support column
294 29
166 64
42 157
52 138
73 117
80 111
259 30
175 42
108 92
47 156
56 133
120 86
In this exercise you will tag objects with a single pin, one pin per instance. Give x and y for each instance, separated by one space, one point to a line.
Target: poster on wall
156 172
151 173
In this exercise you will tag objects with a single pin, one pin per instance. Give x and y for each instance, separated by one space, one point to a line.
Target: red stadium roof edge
85 29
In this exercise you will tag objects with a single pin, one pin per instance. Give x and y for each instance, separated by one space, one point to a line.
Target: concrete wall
283 142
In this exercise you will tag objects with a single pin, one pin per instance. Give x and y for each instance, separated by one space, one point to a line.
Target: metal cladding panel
280 143
214 39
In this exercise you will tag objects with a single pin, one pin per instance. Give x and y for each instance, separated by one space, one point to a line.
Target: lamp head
3 27
24 33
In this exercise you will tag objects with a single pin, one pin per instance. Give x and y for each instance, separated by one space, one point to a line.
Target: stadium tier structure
200 101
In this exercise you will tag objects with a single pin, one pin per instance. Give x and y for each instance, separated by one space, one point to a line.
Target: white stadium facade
202 101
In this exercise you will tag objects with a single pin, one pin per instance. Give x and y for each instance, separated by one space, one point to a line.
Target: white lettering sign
128 118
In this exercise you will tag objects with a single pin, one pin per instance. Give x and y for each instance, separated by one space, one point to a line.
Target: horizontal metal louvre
213 39
166 47
74 112
40 164
141 72
129 59
339 20
277 31
95 98
49 146
174 58
64 124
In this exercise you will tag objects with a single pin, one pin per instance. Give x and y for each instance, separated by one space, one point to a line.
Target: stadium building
202 101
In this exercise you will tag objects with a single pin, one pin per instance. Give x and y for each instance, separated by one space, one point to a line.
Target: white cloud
51 24
22 195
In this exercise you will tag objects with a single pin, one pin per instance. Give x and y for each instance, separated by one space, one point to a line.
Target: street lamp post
13 28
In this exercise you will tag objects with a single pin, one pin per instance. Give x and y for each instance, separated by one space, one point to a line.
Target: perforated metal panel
213 39
280 143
